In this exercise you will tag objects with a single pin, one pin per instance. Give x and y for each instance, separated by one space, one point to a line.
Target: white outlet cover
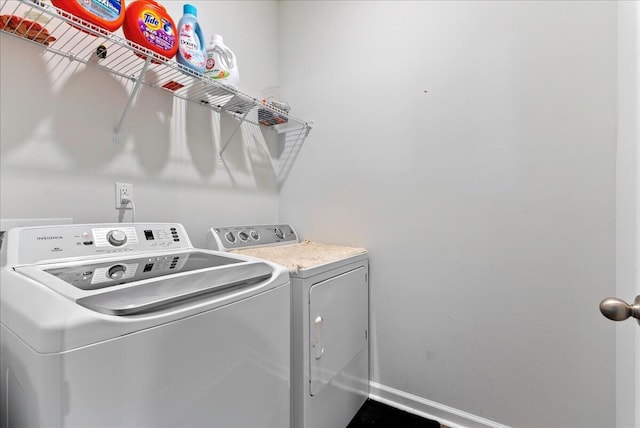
119 188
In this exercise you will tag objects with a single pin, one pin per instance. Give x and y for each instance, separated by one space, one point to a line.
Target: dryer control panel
36 244
235 237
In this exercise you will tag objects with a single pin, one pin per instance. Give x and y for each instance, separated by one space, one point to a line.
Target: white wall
57 158
471 147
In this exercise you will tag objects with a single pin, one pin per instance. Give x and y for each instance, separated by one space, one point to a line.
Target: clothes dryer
330 317
129 325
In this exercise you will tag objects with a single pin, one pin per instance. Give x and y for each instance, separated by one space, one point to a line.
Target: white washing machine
128 325
330 317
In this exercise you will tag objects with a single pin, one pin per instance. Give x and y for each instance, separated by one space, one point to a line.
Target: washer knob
117 238
244 237
117 271
230 237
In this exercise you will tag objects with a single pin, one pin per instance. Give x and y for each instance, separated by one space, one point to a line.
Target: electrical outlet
124 192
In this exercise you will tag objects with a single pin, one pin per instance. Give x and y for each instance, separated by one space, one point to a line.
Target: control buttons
174 233
255 235
230 237
244 236
116 238
86 239
174 262
279 233
116 271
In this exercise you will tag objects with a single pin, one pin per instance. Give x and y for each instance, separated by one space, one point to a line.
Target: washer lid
155 295
50 315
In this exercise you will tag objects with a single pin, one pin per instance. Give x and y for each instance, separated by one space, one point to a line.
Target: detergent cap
189 8
216 38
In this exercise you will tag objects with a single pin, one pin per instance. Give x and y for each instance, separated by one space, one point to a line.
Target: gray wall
57 158
470 146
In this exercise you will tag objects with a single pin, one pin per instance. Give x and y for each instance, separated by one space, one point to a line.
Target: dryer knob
116 238
279 233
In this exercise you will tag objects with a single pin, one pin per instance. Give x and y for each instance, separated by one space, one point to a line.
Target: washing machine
330 318
129 325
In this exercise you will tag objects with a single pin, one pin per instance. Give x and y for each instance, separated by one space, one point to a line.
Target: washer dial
116 272
116 238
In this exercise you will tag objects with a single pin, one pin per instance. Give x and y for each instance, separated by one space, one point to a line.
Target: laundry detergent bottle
148 24
222 65
191 44
106 14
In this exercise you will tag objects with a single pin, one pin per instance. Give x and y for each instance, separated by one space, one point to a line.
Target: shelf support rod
234 133
136 88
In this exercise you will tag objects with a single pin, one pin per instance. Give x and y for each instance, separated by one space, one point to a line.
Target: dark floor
378 415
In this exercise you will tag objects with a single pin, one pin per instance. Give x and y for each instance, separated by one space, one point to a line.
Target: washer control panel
235 237
57 242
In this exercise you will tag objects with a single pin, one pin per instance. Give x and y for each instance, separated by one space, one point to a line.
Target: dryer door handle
319 350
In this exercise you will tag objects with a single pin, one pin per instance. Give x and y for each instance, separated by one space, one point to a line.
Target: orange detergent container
148 24
106 14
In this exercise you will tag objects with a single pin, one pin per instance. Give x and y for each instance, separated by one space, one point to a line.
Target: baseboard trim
446 415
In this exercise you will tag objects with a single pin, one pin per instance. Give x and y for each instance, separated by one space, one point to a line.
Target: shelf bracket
244 116
136 88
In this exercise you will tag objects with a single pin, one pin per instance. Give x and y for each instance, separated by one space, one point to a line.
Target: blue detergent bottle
191 44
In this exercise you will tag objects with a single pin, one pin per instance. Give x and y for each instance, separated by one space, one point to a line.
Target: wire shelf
63 34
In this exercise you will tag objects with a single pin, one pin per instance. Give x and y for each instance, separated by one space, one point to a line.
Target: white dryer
128 325
330 317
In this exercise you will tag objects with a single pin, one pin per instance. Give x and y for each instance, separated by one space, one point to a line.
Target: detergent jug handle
232 61
227 56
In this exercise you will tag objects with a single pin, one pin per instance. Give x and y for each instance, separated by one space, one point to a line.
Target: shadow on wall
208 133
83 123
149 120
200 132
22 110
59 114
244 156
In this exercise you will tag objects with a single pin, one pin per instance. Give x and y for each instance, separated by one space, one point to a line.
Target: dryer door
338 322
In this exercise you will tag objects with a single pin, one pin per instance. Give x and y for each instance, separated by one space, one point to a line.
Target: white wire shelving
79 40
